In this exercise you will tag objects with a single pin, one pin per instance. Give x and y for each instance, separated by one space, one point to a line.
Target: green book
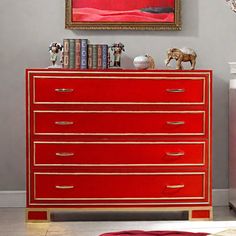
71 53
95 56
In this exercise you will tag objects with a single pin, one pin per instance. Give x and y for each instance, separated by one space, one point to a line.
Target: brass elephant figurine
181 55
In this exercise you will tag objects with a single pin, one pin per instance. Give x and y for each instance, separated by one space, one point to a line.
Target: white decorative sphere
141 62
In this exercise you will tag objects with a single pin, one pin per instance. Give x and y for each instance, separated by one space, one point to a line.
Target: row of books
79 54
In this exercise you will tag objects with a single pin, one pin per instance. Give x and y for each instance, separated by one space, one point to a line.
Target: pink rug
153 233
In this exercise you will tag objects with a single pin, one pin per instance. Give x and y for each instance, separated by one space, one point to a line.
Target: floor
12 223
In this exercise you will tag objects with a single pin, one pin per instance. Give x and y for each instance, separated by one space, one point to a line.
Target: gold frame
69 24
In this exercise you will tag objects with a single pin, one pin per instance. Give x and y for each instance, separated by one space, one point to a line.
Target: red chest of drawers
118 140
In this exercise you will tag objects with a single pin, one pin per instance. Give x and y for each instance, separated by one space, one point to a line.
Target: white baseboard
12 198
18 199
220 197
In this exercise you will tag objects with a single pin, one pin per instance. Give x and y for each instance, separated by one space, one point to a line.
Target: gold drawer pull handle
64 122
65 154
175 122
175 90
64 187
64 90
175 186
175 154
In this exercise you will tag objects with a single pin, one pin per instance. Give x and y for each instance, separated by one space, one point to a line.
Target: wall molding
220 197
18 198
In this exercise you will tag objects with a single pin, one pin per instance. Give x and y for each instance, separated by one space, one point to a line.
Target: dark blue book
104 56
84 54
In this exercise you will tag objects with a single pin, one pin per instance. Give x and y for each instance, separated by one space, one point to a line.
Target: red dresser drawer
119 153
119 186
116 90
119 123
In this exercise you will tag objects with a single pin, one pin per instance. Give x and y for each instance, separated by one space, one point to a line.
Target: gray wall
27 27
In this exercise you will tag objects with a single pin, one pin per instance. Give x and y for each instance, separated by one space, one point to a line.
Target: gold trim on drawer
124 112
170 72
121 204
183 208
127 143
123 77
118 174
210 135
28 141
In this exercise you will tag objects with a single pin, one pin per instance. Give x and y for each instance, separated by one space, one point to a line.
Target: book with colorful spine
79 54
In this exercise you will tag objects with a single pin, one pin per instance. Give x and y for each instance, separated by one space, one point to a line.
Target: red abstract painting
123 14
123 11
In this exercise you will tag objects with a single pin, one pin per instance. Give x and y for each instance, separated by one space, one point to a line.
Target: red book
90 56
99 57
77 53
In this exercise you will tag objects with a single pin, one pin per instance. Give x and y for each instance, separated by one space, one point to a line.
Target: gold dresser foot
201 214
37 215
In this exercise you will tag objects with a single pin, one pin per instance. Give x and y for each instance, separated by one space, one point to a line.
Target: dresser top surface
118 71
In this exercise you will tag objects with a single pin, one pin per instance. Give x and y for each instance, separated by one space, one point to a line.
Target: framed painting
123 14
